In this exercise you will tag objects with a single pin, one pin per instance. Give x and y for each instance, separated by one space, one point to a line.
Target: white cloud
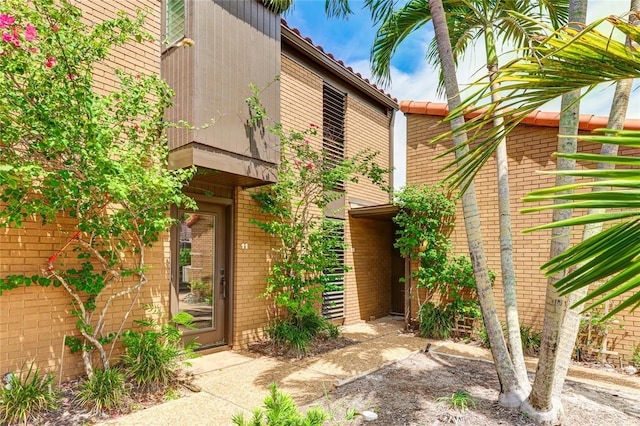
421 84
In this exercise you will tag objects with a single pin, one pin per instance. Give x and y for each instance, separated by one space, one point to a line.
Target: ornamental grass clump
153 357
104 391
24 397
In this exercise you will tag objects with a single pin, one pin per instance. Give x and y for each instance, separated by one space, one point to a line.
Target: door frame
226 205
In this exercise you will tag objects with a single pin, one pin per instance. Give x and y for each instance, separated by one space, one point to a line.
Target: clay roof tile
536 118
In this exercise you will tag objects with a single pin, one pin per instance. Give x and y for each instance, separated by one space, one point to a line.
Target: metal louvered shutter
175 21
333 300
333 112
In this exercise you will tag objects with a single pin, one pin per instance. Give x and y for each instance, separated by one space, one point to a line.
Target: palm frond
380 10
278 6
337 8
393 30
613 255
565 61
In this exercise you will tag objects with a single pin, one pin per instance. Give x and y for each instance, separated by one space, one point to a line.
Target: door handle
223 284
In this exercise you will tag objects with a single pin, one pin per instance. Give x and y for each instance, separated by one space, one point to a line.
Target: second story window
333 112
175 21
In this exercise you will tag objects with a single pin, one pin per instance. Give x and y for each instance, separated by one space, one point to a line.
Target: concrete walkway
234 382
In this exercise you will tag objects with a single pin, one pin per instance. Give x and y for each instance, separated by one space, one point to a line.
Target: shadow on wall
371 250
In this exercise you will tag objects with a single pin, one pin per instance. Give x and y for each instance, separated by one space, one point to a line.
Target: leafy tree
295 215
69 150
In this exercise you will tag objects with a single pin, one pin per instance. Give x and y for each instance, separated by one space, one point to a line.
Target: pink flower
54 27
34 50
309 166
71 77
6 20
16 38
346 157
51 62
30 32
306 141
8 37
137 75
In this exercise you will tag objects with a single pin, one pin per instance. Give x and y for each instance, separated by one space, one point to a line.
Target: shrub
201 291
435 321
530 340
281 410
152 357
297 332
305 257
24 397
635 357
104 391
72 150
484 338
459 400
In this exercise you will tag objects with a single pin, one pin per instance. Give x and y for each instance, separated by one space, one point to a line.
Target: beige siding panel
236 44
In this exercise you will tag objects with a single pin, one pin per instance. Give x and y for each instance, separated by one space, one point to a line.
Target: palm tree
541 404
511 393
568 60
468 21
571 320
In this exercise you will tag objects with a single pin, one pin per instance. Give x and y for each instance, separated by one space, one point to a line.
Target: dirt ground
405 393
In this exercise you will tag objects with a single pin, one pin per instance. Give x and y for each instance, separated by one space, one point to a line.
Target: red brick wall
35 320
530 149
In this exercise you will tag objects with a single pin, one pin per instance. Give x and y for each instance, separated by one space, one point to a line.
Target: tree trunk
511 394
541 404
571 320
506 240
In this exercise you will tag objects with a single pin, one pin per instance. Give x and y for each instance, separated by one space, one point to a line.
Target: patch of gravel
405 393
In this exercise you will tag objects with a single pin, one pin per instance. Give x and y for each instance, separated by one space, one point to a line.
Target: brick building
214 263
530 146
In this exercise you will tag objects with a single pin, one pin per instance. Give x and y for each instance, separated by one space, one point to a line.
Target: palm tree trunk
506 240
541 404
511 394
571 320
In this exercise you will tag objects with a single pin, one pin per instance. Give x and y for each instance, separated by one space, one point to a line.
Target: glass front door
201 275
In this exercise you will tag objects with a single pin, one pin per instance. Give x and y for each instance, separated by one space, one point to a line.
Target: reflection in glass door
197 248
200 276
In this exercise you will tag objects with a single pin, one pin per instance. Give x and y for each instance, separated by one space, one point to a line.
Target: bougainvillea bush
68 150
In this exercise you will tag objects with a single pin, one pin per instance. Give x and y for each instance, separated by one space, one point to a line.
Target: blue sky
412 77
